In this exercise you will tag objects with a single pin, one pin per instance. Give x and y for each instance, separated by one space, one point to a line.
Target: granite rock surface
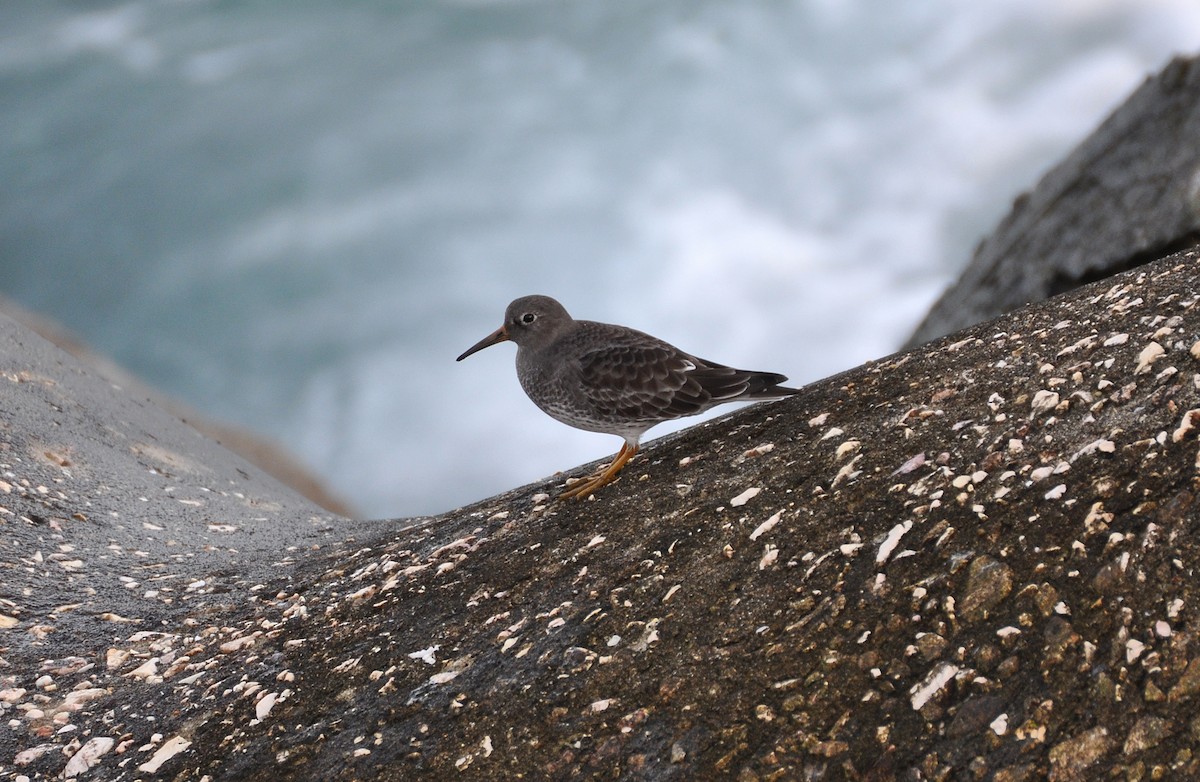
973 560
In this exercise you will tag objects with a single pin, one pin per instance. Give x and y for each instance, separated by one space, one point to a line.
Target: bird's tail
765 385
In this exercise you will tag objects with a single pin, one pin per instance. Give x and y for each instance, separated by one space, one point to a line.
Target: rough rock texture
1127 195
976 560
254 448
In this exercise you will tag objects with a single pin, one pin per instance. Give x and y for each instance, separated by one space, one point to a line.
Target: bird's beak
499 335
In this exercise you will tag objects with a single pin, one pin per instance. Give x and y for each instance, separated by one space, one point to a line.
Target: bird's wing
655 382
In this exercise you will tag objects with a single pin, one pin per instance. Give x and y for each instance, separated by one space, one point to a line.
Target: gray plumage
614 379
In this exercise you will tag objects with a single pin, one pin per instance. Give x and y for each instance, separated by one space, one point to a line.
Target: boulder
1129 194
976 559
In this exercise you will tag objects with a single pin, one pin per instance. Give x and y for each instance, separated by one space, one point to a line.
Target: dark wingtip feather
765 385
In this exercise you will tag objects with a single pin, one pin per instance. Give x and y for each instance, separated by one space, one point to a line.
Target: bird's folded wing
655 382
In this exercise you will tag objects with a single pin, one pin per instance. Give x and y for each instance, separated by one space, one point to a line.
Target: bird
613 379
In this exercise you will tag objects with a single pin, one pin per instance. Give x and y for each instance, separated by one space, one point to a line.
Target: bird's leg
584 488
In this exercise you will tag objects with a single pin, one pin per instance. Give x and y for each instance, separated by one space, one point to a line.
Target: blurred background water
294 216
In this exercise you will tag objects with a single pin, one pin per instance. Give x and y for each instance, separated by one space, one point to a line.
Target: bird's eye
528 317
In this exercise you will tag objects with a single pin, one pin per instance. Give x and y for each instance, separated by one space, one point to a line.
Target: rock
87 756
1070 759
868 631
1147 733
988 583
637 634
260 451
1127 195
1188 684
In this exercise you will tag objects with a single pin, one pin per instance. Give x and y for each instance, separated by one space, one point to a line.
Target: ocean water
294 216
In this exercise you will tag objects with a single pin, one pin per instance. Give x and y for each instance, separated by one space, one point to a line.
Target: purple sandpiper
606 378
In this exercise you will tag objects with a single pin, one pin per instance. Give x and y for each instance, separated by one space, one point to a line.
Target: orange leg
586 487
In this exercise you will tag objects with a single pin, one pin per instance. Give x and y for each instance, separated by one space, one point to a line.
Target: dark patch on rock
989 581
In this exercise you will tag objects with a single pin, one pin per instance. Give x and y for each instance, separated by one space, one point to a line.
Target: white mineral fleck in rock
1041 473
766 526
75 699
12 695
847 471
167 751
264 705
1102 445
934 681
237 643
1147 357
1189 421
891 541
365 593
910 465
425 655
847 447
1044 401
87 756
745 497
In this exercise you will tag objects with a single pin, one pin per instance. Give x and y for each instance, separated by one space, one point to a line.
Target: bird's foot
586 487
